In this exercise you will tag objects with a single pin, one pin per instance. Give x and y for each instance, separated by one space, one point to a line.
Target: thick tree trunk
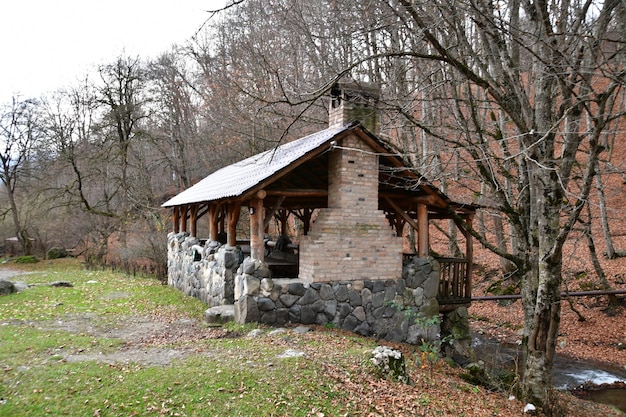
542 328
542 286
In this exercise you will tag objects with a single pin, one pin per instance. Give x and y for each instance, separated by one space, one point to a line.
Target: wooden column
306 221
213 212
193 220
222 215
257 247
233 218
183 218
282 216
469 255
422 231
176 219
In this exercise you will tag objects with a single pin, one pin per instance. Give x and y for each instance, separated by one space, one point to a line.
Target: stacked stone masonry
203 271
387 309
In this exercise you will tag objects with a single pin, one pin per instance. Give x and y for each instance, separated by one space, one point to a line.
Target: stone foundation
386 309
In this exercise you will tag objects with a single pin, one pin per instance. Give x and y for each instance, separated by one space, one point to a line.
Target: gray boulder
7 287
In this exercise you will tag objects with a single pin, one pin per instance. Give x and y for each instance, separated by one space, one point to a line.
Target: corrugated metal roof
234 180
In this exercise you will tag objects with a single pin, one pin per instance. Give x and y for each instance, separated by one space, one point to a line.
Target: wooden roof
297 174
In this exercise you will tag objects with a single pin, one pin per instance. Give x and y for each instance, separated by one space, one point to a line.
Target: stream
567 373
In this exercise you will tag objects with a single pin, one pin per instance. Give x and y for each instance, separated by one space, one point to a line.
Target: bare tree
518 93
121 95
19 135
553 71
81 189
175 122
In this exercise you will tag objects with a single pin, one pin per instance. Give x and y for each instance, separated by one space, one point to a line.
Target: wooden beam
183 218
270 213
298 193
213 210
402 213
304 215
203 209
429 200
282 216
222 215
422 231
193 220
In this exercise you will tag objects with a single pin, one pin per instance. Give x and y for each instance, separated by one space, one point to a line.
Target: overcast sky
48 44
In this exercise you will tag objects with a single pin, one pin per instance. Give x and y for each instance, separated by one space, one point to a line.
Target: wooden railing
454 282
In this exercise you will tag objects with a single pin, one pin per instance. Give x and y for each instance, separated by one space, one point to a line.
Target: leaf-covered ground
114 345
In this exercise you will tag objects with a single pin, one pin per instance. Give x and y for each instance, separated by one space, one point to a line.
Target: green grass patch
194 387
25 345
97 292
224 377
115 345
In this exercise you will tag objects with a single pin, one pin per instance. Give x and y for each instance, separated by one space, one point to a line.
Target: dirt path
146 340
7 274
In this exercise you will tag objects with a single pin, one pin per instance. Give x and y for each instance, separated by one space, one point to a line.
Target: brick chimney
354 101
352 238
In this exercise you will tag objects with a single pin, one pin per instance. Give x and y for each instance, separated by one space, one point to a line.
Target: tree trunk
542 328
610 250
20 233
613 300
541 292
498 229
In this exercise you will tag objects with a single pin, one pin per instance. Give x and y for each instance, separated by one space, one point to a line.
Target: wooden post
183 218
221 216
257 246
304 215
193 220
306 220
422 231
213 212
176 219
469 256
233 218
283 216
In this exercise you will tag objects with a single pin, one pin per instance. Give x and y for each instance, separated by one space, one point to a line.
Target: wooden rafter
402 213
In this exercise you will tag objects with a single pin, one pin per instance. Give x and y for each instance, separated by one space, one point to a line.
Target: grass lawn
115 345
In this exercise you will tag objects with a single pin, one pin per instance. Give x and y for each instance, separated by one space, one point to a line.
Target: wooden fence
454 282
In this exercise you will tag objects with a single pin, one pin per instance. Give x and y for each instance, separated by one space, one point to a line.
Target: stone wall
206 272
386 309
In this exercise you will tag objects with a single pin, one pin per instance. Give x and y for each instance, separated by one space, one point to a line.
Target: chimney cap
355 91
